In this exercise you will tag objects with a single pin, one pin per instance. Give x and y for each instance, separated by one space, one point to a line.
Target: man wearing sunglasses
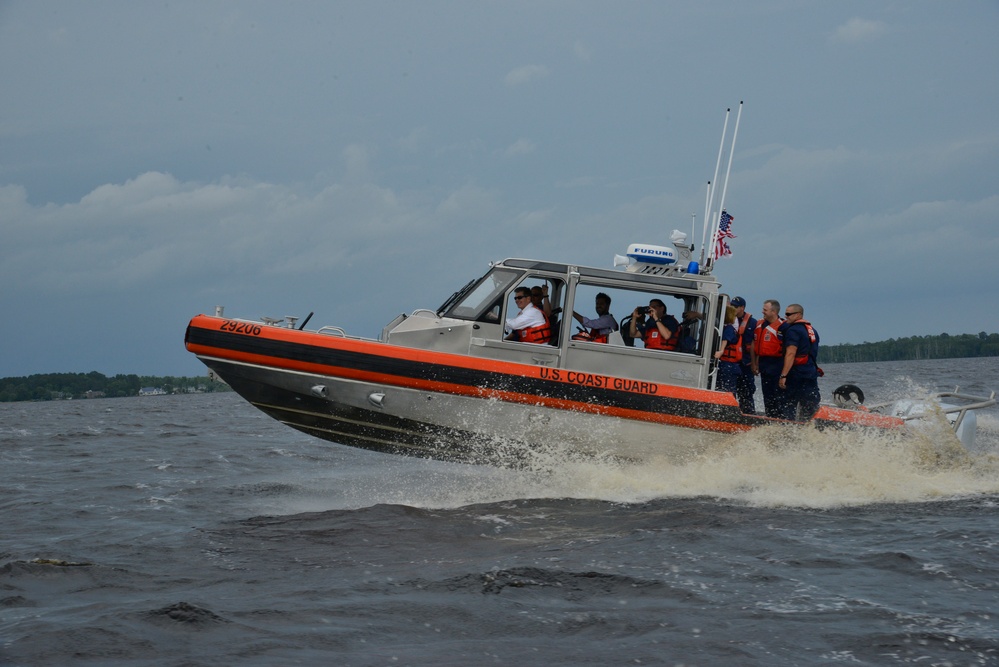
530 324
799 377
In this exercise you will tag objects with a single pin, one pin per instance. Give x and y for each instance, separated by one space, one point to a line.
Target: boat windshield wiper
457 296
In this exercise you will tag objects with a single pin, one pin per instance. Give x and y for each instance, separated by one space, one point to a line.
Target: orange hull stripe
463 390
442 358
294 336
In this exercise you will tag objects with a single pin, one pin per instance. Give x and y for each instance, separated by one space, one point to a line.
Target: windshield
485 296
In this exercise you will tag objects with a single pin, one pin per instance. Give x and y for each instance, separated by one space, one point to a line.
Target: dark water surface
193 530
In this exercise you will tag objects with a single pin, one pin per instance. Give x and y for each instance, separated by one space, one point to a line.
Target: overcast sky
363 159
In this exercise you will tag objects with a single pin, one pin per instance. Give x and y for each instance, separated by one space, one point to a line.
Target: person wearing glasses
799 377
768 358
530 324
660 331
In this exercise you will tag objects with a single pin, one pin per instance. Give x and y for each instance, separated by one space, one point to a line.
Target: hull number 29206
240 327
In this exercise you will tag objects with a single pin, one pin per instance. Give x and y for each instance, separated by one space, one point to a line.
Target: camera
643 310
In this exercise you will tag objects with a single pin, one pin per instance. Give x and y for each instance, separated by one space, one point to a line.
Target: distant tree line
943 346
56 386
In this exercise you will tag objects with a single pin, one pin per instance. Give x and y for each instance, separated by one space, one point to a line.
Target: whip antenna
716 218
710 195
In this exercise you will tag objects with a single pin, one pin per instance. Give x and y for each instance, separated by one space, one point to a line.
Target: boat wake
804 467
774 466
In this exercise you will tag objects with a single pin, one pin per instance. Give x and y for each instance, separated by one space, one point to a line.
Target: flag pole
710 261
716 220
731 154
707 207
704 232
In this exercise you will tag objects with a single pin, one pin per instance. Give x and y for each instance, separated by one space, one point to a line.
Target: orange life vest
539 334
733 351
802 359
654 341
742 337
597 338
768 342
590 336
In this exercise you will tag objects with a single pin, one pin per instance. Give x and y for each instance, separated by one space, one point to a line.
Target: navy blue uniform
803 379
745 386
728 371
770 365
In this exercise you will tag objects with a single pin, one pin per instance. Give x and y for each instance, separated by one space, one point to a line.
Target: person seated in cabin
529 325
539 297
599 327
657 329
689 328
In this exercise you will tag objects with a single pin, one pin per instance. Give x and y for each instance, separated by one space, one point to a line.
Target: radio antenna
715 220
710 195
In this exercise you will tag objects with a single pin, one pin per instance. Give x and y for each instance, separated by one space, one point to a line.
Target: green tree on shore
943 346
55 386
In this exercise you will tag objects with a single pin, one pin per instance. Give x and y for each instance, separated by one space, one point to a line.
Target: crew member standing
745 383
729 355
768 357
799 376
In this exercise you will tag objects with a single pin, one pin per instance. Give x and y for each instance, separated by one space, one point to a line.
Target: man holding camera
660 331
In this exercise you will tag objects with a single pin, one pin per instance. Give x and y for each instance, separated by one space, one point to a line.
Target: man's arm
789 354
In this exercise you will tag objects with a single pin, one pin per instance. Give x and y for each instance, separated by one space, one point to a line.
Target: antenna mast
710 193
716 218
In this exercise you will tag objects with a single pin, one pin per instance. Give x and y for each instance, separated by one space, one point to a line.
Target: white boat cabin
471 322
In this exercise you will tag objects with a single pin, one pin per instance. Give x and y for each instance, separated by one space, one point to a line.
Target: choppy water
193 530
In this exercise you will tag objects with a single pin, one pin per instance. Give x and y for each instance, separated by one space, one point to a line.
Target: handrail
977 403
962 410
332 331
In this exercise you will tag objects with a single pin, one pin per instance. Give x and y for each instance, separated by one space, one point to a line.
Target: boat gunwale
503 370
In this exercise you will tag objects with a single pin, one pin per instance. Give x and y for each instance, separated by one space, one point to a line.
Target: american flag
724 232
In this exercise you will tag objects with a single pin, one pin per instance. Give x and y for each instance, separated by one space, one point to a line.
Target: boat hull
446 406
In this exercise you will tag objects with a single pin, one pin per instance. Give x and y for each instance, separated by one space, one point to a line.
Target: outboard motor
959 408
964 423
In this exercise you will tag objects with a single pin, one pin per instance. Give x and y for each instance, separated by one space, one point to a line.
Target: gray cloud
859 30
156 160
525 74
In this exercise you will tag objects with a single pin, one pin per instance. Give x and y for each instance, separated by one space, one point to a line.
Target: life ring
848 395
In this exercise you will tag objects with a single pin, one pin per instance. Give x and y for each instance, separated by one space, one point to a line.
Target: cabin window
482 303
551 307
688 309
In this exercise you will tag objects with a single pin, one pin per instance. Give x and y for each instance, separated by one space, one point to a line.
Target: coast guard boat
449 383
